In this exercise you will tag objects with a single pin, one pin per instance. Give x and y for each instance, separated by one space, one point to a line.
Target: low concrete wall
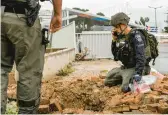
54 61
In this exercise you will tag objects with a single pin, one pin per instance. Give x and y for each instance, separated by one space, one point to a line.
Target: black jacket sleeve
113 47
139 48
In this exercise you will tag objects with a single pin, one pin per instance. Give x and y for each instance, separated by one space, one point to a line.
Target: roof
95 17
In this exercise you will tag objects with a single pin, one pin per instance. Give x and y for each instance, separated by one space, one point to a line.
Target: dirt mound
89 95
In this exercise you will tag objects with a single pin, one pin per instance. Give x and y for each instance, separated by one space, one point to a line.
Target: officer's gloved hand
126 89
137 77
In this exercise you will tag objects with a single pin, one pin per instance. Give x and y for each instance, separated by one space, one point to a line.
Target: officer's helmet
119 18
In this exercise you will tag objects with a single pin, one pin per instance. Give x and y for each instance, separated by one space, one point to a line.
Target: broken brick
165 92
69 111
148 100
165 79
136 112
107 112
152 107
117 109
134 107
163 109
43 109
127 101
88 112
125 108
157 99
145 111
44 101
55 105
127 113
94 78
165 86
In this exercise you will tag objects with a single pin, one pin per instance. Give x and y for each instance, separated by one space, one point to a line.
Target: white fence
97 42
64 38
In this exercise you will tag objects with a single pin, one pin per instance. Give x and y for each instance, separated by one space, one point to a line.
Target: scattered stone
107 112
117 109
44 101
136 112
165 86
95 78
163 109
134 107
43 109
69 111
152 107
125 108
148 100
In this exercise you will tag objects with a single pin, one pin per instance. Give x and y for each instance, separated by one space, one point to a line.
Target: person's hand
114 34
56 23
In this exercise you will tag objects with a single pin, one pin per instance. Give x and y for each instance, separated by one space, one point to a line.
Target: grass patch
66 70
12 108
103 71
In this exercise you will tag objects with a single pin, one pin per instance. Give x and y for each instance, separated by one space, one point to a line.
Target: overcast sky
136 8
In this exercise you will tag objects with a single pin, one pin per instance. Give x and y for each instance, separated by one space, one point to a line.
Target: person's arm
57 4
56 21
139 47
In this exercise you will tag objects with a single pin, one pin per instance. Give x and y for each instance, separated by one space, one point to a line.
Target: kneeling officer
128 46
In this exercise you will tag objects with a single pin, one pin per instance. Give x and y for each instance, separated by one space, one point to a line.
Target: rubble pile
90 96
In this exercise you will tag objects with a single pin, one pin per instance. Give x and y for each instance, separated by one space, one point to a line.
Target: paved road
162 61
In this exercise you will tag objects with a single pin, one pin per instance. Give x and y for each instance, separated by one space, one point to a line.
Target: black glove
137 77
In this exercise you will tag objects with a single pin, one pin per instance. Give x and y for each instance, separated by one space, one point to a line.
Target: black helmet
119 18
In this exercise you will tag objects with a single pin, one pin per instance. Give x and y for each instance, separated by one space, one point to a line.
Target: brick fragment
107 112
156 99
117 109
44 101
148 100
163 109
136 112
134 107
152 107
88 112
94 78
127 113
165 86
165 79
43 109
69 111
125 108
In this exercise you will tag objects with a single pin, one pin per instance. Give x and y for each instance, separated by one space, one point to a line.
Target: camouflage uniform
23 45
131 54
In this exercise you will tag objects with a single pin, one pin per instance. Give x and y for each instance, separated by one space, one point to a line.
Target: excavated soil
84 92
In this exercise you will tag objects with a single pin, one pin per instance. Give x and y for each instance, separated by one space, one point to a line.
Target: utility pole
155 8
167 19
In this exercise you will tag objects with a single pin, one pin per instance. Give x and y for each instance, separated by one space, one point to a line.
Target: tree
166 29
142 21
100 14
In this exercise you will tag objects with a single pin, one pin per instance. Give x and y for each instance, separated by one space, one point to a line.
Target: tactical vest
125 51
30 3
